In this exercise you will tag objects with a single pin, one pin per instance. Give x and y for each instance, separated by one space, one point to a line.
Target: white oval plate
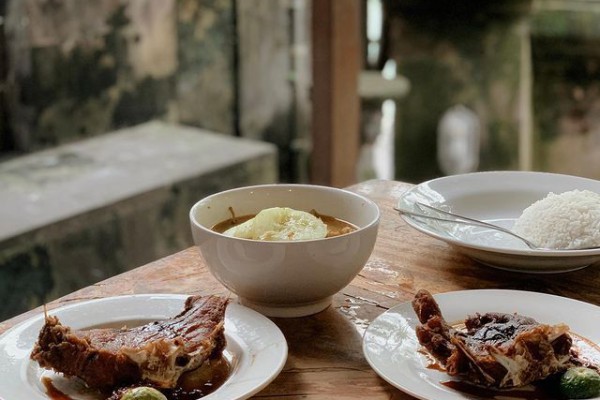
391 347
256 348
497 197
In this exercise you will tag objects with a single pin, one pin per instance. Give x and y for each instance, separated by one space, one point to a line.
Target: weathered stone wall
205 93
77 69
460 53
274 78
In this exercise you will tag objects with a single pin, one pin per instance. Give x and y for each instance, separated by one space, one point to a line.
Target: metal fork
460 219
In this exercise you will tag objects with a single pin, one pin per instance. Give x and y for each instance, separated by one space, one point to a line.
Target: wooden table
325 356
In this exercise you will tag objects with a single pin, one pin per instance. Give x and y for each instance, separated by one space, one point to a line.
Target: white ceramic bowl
285 278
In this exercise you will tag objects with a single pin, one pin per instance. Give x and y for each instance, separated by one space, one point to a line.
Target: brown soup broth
335 226
231 222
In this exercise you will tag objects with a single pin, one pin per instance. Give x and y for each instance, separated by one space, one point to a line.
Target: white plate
256 348
390 345
498 197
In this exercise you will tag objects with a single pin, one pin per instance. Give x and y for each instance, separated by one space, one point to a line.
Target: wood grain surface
325 350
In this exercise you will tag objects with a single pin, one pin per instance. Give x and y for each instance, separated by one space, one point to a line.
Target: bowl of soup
285 249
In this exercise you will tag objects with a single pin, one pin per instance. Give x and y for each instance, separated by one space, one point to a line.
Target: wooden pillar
336 41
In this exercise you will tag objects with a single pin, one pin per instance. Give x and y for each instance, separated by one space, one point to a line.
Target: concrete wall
275 79
78 69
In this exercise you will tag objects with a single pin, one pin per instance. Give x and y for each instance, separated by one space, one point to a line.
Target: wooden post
336 41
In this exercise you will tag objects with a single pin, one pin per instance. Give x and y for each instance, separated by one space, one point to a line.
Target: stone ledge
83 212
52 185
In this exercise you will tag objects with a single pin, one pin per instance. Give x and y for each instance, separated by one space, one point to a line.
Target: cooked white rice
569 220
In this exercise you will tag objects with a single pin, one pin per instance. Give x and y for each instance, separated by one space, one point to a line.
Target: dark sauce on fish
192 385
196 384
546 389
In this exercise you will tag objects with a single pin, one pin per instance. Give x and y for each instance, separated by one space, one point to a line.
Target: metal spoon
460 219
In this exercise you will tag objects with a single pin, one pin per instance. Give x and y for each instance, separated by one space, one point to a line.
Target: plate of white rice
560 213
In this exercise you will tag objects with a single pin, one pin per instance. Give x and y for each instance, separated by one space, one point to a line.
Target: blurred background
117 115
